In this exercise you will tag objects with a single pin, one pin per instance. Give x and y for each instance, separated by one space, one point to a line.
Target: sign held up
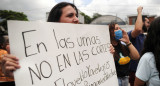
58 54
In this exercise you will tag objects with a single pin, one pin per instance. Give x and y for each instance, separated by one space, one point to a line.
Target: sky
36 9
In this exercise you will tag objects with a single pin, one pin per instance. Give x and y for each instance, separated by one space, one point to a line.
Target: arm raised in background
139 23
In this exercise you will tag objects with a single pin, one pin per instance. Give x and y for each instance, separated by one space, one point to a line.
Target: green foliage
96 15
10 15
87 19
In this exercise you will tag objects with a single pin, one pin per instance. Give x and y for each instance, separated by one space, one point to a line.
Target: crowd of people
136 56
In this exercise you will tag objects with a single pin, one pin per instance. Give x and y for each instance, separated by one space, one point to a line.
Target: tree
87 19
10 15
96 15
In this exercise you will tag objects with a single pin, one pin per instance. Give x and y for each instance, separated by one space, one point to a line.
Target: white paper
58 54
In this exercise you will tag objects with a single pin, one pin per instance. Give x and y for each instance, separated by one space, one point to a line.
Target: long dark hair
152 42
56 12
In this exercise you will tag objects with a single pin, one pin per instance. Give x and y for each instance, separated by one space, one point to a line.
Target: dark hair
111 30
152 42
144 28
56 12
143 18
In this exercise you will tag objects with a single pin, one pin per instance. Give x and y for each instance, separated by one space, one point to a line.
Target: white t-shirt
147 71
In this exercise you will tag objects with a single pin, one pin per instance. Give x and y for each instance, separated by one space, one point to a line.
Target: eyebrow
70 14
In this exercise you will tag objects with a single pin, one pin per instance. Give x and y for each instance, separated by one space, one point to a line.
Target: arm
133 51
138 82
139 23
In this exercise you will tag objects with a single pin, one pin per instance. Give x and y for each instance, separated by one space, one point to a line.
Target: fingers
124 32
8 48
10 68
123 40
9 64
10 58
139 9
112 50
9 71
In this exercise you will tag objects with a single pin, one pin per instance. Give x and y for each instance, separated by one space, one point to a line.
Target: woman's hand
9 64
125 37
111 49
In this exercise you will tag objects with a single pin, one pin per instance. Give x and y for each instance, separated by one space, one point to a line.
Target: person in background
63 12
137 39
149 65
124 52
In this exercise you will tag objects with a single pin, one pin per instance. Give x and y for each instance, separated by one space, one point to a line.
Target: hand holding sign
9 64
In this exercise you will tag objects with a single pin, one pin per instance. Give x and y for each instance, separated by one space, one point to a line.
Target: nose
75 20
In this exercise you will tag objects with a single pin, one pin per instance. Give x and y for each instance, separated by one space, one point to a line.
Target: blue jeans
123 81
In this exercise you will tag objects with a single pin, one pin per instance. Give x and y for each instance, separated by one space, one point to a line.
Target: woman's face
69 15
117 27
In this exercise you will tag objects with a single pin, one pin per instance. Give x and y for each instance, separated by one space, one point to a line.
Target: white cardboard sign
58 54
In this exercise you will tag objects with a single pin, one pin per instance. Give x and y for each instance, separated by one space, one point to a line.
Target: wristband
128 44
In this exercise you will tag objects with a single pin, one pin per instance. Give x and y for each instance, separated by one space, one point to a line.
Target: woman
62 12
124 52
149 65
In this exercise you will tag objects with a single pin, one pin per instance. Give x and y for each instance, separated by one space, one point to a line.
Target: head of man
64 12
146 23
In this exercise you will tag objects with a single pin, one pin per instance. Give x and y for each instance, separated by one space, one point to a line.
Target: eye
70 15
